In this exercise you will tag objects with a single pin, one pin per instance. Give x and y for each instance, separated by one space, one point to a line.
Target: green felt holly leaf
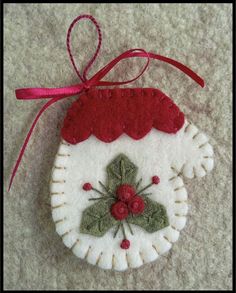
153 218
121 170
97 219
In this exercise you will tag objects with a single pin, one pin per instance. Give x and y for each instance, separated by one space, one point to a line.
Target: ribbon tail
48 93
181 67
45 106
174 63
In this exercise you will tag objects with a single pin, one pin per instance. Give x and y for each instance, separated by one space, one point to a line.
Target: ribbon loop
83 77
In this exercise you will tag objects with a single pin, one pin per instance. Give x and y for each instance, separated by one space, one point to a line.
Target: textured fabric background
198 35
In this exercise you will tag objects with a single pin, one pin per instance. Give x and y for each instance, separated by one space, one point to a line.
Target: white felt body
168 156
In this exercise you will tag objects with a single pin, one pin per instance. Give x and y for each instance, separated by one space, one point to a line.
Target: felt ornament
117 186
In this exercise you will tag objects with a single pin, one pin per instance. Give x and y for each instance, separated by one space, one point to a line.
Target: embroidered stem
107 190
117 230
131 231
146 194
123 230
104 187
96 190
138 183
97 198
146 187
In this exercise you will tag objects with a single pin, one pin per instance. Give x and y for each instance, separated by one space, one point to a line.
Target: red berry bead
119 210
125 244
155 179
136 205
125 192
87 186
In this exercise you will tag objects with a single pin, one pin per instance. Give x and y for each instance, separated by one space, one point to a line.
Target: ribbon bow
56 94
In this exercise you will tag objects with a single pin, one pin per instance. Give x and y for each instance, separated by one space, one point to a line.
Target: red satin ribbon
56 94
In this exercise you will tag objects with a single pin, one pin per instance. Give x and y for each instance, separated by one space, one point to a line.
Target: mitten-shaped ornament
117 186
118 194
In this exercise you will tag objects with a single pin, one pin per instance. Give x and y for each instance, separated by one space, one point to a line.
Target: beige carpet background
198 35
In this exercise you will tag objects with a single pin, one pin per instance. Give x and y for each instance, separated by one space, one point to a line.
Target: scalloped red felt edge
108 113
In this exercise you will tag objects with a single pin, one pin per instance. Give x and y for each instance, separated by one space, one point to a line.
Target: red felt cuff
107 113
